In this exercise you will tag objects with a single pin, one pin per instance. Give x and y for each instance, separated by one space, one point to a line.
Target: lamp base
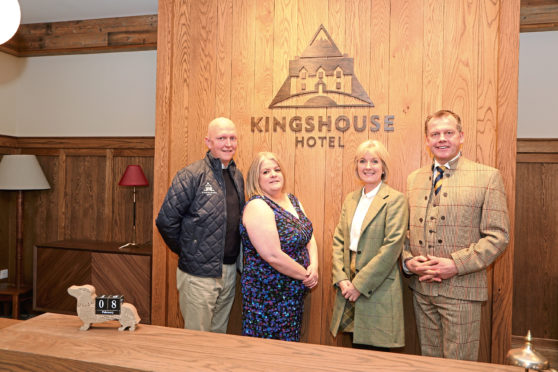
128 245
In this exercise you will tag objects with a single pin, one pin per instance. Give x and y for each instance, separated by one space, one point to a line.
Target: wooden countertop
144 249
50 341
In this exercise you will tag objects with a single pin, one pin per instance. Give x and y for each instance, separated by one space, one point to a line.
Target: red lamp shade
133 176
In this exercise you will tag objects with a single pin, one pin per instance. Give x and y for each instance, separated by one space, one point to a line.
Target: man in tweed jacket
454 235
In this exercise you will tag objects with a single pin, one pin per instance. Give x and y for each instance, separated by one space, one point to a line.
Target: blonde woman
367 244
280 254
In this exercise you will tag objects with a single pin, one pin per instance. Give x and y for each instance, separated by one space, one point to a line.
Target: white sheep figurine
85 295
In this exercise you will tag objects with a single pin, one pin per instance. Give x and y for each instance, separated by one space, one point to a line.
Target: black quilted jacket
193 220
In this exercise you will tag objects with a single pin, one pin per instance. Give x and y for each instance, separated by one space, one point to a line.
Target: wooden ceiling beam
539 15
89 36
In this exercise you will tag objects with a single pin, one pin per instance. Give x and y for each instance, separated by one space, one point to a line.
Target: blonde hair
376 147
253 176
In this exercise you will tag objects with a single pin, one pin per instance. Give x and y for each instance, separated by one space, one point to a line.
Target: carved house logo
321 77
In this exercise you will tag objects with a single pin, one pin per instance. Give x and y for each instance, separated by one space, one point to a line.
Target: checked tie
439 178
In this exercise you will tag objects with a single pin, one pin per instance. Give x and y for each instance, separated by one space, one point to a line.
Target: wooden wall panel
535 306
161 266
411 57
84 197
84 201
508 72
406 52
307 171
332 193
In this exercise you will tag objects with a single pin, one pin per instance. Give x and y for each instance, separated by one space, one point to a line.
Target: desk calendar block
108 305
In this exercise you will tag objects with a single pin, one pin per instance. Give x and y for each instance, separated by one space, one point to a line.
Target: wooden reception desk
53 342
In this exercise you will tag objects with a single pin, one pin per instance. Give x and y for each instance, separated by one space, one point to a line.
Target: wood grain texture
412 58
540 15
309 175
223 73
72 268
161 160
508 71
432 65
84 200
333 195
407 53
162 349
61 264
284 49
84 36
461 52
128 275
406 50
26 361
535 306
537 145
83 197
486 129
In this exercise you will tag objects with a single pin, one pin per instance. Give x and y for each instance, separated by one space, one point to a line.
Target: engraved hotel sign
322 77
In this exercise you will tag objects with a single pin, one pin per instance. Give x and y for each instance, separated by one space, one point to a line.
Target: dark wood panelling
85 201
110 270
535 298
131 143
128 275
57 270
84 197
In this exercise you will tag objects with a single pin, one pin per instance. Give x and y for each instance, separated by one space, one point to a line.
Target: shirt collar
371 193
449 164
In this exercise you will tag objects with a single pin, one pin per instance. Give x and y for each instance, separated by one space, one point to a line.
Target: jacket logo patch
208 189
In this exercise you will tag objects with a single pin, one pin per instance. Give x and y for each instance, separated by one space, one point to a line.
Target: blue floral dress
272 303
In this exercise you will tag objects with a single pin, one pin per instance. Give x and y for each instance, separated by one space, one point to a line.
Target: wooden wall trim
87 142
506 142
86 36
8 141
86 146
537 145
537 150
160 273
539 15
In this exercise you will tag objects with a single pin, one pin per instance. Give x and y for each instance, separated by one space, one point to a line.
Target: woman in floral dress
280 254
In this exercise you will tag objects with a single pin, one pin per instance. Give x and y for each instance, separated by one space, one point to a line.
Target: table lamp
133 176
20 173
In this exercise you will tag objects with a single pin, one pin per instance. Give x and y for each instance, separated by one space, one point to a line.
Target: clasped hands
311 279
431 268
348 290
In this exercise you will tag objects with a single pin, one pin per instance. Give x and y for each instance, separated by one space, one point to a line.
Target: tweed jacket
379 310
467 221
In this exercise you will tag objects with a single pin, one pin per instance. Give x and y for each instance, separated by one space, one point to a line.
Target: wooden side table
9 292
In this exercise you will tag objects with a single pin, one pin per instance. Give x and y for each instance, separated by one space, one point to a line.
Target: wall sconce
133 176
10 18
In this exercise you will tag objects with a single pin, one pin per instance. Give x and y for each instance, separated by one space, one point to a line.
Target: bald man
199 221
